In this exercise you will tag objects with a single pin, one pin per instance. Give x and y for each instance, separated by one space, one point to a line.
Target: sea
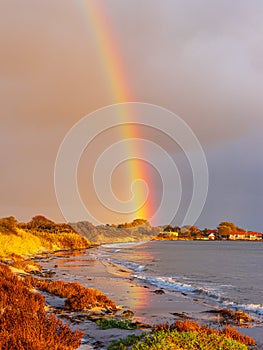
224 273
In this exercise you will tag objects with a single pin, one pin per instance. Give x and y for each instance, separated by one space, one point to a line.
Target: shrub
186 340
78 296
24 324
193 326
232 333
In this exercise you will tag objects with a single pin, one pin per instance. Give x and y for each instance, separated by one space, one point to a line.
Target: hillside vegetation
137 230
38 235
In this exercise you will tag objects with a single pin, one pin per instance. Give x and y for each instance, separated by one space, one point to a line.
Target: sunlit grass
174 340
24 243
27 239
186 335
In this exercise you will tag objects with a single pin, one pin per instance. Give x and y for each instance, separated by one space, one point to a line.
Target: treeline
134 223
38 223
193 232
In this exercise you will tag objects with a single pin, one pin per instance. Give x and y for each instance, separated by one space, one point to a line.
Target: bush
193 326
24 324
184 335
78 297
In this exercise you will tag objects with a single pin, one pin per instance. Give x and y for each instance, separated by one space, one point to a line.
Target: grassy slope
109 234
27 243
37 237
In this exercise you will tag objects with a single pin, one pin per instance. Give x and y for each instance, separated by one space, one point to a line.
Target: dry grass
24 324
31 242
26 265
22 243
39 235
78 297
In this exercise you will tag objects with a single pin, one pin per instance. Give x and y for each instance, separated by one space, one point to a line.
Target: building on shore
246 236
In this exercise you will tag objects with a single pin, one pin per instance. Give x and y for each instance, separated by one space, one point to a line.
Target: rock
159 291
127 314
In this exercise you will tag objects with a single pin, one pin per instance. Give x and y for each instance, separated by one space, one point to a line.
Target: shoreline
147 304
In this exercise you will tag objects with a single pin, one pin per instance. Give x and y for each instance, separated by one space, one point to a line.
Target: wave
204 288
255 308
130 265
121 245
169 283
166 283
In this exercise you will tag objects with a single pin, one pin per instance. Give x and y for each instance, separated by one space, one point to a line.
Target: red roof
212 231
250 233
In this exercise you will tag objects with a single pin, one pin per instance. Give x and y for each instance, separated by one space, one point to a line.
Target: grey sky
201 59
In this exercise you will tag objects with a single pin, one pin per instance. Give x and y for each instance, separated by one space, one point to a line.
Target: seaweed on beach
24 323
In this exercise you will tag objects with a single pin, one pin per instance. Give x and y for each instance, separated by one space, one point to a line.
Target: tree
225 227
232 227
168 228
8 225
40 222
224 230
177 229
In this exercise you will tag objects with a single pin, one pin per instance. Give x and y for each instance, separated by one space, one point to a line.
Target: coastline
148 305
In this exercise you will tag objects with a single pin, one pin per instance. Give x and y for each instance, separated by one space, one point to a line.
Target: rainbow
119 89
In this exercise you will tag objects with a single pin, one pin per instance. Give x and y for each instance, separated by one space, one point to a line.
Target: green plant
122 344
105 323
188 335
174 340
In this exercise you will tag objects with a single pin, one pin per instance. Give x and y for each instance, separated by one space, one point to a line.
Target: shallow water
221 272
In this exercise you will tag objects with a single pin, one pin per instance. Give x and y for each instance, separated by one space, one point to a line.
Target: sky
200 59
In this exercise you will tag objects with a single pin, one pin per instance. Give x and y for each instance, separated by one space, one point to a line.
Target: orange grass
26 265
78 297
24 324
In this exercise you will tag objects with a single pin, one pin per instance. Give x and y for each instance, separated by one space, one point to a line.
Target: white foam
170 283
121 245
167 283
255 308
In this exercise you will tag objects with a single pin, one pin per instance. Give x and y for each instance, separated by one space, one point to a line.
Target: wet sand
149 305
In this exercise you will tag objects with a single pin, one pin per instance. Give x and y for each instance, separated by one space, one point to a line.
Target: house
247 236
211 236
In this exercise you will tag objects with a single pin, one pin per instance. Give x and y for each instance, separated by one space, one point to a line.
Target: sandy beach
148 305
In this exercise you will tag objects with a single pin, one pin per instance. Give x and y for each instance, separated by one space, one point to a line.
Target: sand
144 301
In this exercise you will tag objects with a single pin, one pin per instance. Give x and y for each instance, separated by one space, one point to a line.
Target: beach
145 302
